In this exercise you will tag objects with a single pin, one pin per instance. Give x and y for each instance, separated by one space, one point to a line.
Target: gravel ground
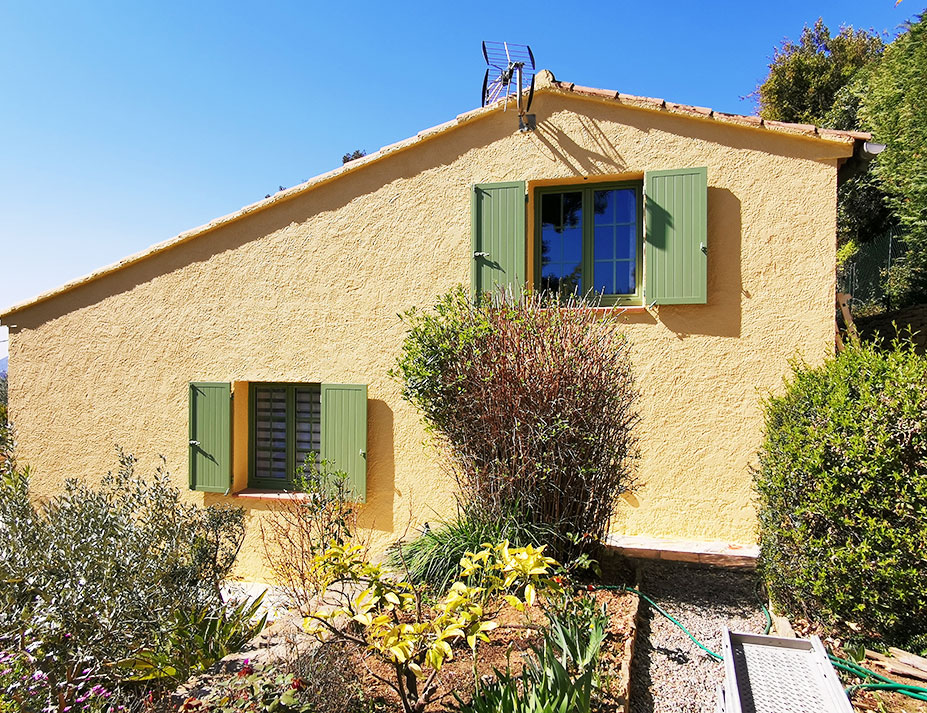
669 672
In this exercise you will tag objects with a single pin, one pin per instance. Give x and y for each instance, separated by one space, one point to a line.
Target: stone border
719 554
624 673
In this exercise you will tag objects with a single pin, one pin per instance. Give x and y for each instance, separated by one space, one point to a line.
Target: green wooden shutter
210 437
498 238
344 433
677 236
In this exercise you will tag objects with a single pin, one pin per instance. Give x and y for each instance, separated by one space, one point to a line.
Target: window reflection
562 242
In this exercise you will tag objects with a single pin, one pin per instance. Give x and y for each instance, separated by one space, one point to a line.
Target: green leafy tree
356 154
894 107
804 77
824 79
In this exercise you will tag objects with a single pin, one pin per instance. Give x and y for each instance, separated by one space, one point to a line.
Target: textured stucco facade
307 287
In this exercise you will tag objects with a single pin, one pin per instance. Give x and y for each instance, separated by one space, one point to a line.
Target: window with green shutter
288 421
597 239
677 236
497 215
285 427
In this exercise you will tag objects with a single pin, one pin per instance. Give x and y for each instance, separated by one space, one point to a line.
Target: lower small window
286 426
589 239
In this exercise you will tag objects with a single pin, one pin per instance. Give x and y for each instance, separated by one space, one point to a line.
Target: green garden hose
882 682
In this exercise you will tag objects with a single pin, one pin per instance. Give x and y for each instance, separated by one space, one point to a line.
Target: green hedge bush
94 577
842 487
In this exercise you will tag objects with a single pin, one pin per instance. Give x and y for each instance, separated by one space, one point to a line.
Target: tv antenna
512 66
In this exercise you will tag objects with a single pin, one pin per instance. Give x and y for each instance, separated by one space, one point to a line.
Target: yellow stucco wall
309 290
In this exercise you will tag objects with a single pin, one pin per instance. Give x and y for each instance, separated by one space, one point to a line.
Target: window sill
258 494
616 309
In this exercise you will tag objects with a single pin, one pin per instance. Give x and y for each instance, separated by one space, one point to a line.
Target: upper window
589 240
286 425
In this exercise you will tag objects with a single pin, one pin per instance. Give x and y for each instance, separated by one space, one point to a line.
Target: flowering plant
26 688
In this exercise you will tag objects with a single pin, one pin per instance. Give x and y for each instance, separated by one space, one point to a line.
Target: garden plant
367 606
533 401
105 584
317 511
842 488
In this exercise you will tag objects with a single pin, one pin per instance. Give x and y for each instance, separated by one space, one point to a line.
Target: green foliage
433 558
842 488
535 403
92 576
561 676
255 689
824 80
368 607
300 527
353 156
198 637
894 108
804 77
576 629
26 688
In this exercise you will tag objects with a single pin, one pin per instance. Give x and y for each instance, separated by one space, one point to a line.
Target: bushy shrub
535 402
93 576
366 606
842 487
318 511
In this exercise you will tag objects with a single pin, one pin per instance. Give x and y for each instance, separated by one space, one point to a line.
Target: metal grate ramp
768 674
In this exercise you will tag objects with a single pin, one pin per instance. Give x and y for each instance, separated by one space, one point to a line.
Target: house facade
237 347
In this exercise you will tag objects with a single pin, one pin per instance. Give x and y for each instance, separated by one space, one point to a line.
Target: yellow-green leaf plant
366 605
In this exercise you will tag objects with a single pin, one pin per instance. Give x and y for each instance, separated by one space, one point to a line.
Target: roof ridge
655 104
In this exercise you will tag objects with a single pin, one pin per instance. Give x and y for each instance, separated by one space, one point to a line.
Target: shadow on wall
581 161
721 317
377 512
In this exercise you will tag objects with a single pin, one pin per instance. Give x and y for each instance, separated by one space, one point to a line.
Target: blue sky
123 124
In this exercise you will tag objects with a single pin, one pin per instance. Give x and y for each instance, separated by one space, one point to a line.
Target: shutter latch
480 254
194 443
703 248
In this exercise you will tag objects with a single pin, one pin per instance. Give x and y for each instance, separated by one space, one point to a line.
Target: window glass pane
624 278
270 433
605 277
625 241
615 241
561 242
625 206
603 203
604 244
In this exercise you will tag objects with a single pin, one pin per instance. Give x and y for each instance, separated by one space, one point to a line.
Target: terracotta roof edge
656 104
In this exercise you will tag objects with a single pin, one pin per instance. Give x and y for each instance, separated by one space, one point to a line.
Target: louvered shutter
210 444
344 433
676 234
272 467
498 238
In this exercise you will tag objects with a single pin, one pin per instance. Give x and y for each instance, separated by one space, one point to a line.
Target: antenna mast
507 61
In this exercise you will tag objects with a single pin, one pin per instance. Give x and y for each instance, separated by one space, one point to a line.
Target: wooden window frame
588 261
272 483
